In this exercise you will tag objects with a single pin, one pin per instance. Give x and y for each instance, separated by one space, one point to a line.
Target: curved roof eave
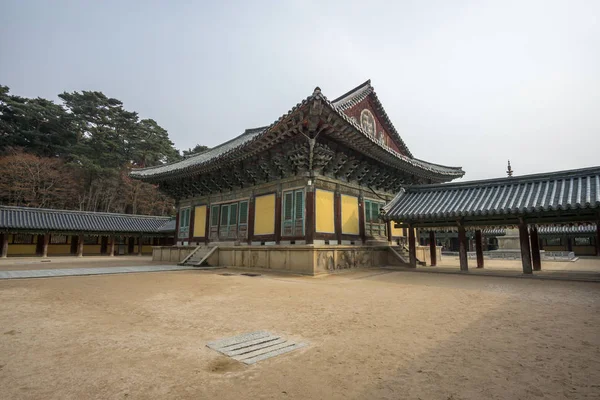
221 152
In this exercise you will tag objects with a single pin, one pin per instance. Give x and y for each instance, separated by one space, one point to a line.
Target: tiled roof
202 158
563 190
168 226
360 93
442 233
245 141
34 219
567 229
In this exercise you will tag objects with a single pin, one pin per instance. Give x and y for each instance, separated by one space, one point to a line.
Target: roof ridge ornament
509 170
316 91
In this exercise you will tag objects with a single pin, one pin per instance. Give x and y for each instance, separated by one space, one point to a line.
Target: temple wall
264 215
324 213
332 213
350 219
199 221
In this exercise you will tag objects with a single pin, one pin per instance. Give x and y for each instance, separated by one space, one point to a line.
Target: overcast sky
466 83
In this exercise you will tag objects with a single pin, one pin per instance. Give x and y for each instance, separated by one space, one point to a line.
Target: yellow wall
264 215
21 249
200 221
325 215
350 215
59 249
93 249
396 231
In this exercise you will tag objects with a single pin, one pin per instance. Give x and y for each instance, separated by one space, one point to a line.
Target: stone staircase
401 253
198 257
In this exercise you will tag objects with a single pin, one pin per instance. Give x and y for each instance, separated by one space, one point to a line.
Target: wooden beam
45 245
80 245
190 225
412 247
112 246
140 245
598 237
525 250
337 210
432 249
462 248
479 248
4 249
535 250
361 219
309 222
278 217
251 213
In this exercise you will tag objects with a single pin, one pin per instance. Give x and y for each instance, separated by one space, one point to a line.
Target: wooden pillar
310 215
80 245
462 248
190 227
597 238
361 219
251 214
536 257
479 248
525 250
46 240
176 224
432 249
112 246
278 217
4 249
140 245
412 247
337 211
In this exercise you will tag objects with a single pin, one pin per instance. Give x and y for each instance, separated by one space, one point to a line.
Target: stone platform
296 259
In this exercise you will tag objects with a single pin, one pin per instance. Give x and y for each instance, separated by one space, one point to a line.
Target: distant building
28 231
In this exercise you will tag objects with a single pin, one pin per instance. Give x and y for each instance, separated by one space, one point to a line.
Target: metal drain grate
249 274
254 347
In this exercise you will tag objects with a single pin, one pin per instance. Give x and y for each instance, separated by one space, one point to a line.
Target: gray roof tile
41 219
563 190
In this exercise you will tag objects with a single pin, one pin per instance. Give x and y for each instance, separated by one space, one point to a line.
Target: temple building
26 231
318 175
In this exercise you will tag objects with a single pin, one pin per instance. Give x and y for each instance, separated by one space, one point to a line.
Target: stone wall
296 259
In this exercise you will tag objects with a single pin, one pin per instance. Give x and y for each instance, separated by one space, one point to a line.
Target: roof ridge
35 209
509 180
356 89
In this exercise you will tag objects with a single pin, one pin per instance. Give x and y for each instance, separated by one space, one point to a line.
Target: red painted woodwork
432 249
535 250
412 247
462 248
367 103
479 248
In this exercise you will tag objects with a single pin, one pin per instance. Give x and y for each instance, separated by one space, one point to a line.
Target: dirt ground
27 263
372 334
583 264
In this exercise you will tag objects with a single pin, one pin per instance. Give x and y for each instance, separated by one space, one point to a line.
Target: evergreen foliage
76 155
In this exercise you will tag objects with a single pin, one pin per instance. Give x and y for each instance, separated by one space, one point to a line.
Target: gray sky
469 83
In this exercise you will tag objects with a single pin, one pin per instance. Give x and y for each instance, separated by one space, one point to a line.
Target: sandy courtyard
372 334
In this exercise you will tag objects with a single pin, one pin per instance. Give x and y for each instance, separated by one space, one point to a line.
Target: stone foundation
296 259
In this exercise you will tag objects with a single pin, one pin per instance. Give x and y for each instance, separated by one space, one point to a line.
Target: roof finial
509 171
316 91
